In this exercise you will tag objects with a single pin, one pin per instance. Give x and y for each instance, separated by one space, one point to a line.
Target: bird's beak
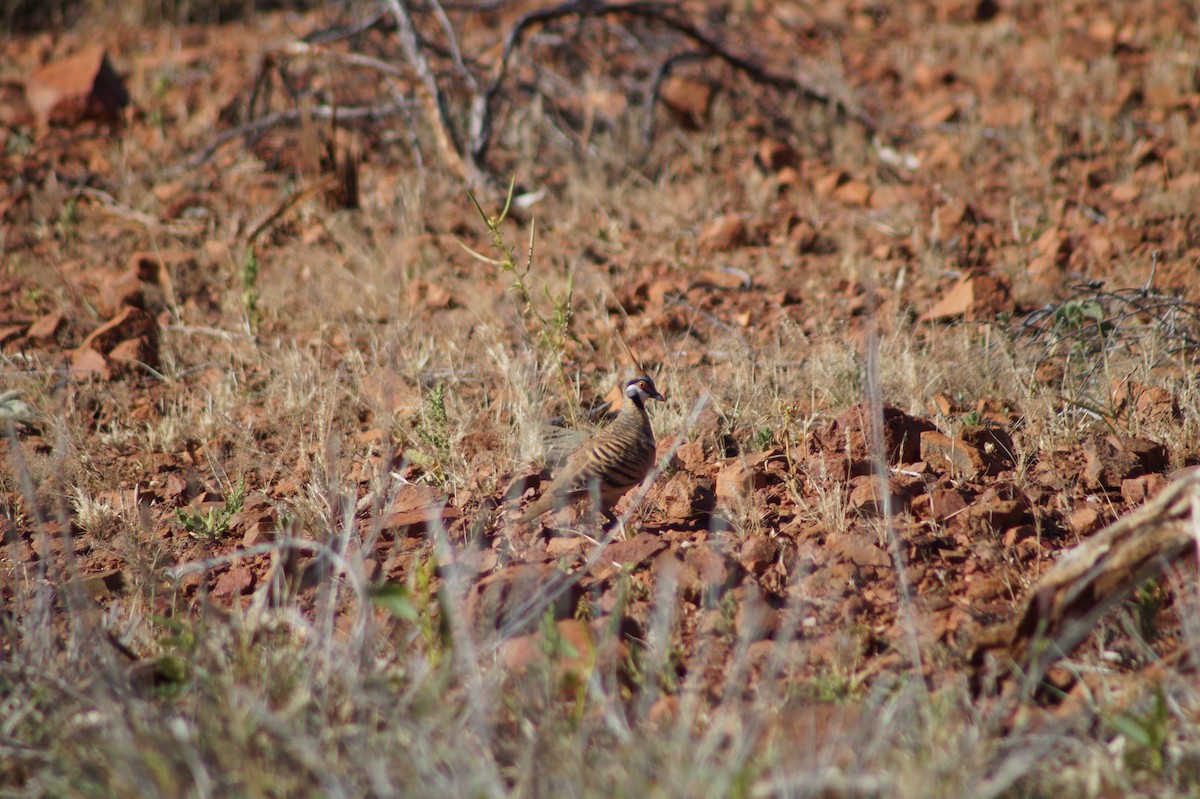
658 396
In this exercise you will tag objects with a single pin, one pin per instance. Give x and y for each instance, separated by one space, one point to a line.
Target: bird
609 463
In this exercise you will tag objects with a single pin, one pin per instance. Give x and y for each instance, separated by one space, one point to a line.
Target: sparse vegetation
258 479
212 523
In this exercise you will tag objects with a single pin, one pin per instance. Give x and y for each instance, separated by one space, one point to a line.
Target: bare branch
709 46
463 163
263 124
1059 612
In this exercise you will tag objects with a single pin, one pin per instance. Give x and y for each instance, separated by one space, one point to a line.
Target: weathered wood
1060 610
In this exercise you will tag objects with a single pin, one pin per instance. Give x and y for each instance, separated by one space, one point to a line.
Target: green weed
213 523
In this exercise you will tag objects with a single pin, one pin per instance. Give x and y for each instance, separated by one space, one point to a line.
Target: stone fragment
515 599
235 582
45 328
688 100
758 553
75 89
723 233
976 297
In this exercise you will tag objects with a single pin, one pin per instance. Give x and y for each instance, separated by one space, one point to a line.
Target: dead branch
314 187
465 163
660 75
263 124
710 47
307 50
337 34
180 228
1060 611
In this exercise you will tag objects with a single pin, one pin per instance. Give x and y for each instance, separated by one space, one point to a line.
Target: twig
152 223
284 117
465 163
336 34
309 50
295 198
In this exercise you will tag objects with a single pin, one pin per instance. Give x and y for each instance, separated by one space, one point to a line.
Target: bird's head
641 388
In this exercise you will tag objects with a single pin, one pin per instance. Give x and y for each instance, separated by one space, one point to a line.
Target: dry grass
351 693
283 703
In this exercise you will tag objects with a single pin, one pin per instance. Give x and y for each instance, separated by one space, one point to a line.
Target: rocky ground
919 284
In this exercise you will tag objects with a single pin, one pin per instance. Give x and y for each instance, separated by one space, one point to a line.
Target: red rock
1136 490
1085 521
691 456
103 585
737 478
901 435
634 552
177 486
516 598
45 328
806 238
726 279
566 545
86 362
961 459
663 712
1152 456
11 333
237 581
758 553
982 588
866 498
994 514
81 87
939 504
474 562
258 519
826 184
413 510
429 295
120 290
774 155
857 550
574 652
130 323
1051 252
947 406
994 445
578 654
976 297
1157 404
1111 460
755 620
964 11
1014 535
521 652
853 192
415 521
1029 549
704 572
134 350
724 233
14 112
689 100
150 266
684 498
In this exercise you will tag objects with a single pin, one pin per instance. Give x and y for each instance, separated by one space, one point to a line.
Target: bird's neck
634 409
